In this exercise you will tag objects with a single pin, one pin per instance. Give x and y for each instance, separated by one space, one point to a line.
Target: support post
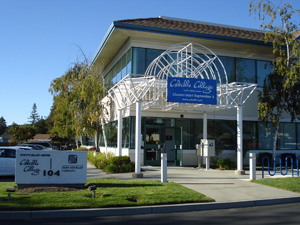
239 170
164 176
138 123
204 125
252 164
207 158
119 144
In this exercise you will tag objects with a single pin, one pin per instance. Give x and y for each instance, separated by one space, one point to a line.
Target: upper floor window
136 60
245 70
263 69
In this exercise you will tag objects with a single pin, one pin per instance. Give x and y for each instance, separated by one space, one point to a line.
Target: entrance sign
192 90
51 167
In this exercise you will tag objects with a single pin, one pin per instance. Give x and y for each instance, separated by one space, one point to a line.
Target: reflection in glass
245 70
263 69
287 136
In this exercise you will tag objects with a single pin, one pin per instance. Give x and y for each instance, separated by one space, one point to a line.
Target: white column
252 163
207 159
138 137
204 125
163 170
239 140
119 144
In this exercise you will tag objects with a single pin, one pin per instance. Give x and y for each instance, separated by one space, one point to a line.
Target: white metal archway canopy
186 60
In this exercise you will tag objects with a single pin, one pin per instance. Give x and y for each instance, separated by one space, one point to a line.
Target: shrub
111 168
127 168
99 160
120 160
226 163
120 164
111 164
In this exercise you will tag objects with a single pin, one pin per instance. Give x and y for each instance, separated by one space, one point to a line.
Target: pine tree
34 117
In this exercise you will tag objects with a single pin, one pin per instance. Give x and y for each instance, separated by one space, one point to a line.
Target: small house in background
5 138
42 137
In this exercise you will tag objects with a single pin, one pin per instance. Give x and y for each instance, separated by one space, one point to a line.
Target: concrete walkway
227 189
221 185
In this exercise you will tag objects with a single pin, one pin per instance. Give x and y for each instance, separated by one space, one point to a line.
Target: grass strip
109 193
288 183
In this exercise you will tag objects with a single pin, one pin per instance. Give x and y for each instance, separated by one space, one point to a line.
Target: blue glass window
138 59
287 136
118 71
245 70
151 54
265 136
228 63
263 69
123 66
225 134
128 61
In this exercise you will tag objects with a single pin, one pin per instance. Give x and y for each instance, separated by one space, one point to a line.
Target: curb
73 213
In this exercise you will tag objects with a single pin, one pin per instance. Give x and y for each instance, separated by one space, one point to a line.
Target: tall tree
41 126
2 125
281 89
76 99
34 117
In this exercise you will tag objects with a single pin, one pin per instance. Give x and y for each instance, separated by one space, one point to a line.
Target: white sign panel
51 167
208 147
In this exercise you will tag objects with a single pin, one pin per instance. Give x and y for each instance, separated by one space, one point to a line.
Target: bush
120 164
111 168
111 164
226 163
100 160
127 168
120 160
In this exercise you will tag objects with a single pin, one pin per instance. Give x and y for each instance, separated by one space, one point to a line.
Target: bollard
207 158
164 162
252 164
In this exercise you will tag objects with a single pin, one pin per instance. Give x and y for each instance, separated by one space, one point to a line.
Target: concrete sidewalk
221 185
227 189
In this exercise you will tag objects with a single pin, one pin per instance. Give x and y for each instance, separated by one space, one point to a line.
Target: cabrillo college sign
192 90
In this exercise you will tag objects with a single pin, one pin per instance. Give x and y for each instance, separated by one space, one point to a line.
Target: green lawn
289 183
109 193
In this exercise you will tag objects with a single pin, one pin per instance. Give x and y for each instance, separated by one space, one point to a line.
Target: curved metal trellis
190 60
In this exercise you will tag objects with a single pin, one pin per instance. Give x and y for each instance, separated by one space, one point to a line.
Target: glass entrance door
152 145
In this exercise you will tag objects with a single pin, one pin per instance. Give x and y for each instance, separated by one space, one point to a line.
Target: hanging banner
192 90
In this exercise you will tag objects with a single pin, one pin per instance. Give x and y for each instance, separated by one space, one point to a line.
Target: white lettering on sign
177 83
202 85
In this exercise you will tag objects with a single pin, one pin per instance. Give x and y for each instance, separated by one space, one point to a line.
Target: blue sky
39 39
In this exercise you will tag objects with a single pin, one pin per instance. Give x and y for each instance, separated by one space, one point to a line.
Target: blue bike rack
286 168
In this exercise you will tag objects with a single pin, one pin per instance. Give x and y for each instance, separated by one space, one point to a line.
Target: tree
2 125
21 133
281 88
76 101
34 117
41 126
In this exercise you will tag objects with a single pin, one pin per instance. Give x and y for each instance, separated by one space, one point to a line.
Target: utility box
199 150
208 147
